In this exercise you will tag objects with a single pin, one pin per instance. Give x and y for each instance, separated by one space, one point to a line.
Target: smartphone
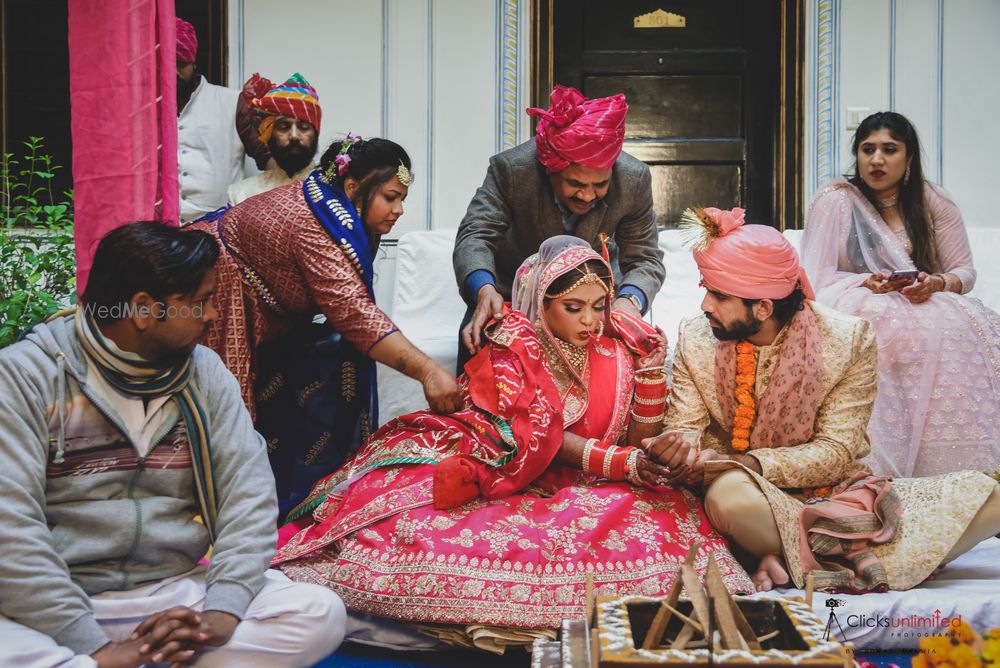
908 275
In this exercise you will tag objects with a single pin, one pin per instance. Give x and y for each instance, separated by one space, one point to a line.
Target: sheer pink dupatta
845 240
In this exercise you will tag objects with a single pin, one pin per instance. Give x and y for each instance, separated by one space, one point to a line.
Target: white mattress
968 587
427 309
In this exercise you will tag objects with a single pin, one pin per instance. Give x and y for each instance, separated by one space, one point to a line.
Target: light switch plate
855 115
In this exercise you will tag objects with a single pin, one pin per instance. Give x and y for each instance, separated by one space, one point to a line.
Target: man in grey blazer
572 179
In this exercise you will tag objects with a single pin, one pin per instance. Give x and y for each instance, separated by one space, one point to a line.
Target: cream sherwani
261 183
936 511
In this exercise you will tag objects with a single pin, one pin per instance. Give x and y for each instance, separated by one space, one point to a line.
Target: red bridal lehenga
516 557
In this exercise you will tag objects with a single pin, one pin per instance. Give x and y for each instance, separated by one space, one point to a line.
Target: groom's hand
668 449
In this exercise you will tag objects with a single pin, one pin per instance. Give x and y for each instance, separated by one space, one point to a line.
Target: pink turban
575 130
747 261
187 42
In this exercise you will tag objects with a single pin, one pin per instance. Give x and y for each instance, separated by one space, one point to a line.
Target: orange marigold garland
746 409
959 647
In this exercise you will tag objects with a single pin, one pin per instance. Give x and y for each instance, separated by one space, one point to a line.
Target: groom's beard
737 331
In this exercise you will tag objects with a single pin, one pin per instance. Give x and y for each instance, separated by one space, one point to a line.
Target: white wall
935 61
447 79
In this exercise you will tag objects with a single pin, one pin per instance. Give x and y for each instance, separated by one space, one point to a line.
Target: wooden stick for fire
659 625
685 635
733 626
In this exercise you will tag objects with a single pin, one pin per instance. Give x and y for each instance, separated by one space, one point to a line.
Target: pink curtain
124 118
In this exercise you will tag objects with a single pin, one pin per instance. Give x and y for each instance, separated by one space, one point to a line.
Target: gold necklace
576 355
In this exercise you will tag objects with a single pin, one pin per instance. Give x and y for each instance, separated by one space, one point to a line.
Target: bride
496 514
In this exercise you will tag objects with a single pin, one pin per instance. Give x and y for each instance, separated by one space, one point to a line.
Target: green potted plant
37 258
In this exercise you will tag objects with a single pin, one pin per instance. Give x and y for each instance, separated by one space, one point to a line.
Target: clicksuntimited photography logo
942 641
844 625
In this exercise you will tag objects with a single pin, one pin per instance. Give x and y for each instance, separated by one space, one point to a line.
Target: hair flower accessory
342 162
704 225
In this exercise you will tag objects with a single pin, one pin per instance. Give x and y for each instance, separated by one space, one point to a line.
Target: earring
906 176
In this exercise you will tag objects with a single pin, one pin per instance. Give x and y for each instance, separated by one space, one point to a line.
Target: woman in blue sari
295 253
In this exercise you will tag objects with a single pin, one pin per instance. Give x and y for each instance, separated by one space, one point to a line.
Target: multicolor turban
295 98
187 42
747 261
578 131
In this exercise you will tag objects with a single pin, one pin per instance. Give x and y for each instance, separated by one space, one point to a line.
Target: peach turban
747 261
575 130
187 42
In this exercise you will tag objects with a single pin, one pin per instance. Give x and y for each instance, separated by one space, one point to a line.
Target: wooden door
705 95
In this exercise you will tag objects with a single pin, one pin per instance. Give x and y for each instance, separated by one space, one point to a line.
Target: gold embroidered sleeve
686 410
839 440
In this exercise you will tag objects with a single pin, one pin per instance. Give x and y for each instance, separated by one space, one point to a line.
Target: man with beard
127 453
774 391
212 138
288 123
572 179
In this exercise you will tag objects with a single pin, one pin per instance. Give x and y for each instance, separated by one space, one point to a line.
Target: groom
781 389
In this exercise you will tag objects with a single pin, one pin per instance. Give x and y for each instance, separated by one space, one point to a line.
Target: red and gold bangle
607 461
648 408
650 399
632 466
609 456
588 448
615 463
651 419
596 457
650 388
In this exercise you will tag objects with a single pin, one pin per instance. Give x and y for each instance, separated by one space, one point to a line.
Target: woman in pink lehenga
494 515
938 404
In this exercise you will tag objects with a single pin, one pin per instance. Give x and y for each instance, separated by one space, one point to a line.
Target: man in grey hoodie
127 453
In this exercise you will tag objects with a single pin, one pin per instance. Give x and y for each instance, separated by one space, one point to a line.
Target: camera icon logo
832 604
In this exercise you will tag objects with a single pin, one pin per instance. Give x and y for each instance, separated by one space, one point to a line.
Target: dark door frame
211 19
788 135
213 54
